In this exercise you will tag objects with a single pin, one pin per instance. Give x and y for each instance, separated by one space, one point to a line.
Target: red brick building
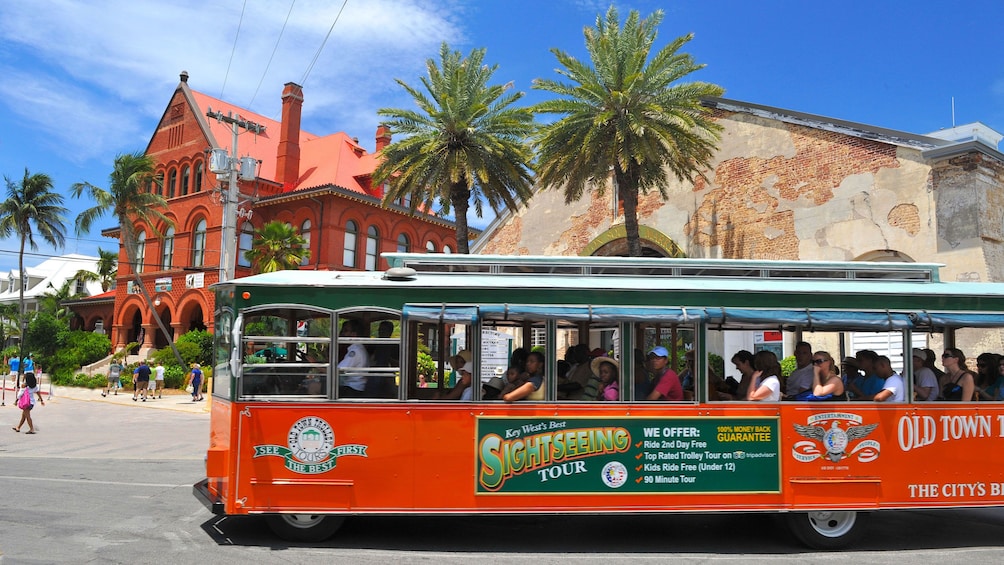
318 184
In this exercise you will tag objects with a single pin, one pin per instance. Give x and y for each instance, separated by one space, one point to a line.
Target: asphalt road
110 482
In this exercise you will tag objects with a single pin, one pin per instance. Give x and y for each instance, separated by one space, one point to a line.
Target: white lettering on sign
955 490
920 431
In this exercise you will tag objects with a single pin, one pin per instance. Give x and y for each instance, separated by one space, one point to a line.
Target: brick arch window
305 233
172 182
140 250
197 185
372 248
199 244
167 253
430 247
351 236
447 249
244 244
403 244
184 179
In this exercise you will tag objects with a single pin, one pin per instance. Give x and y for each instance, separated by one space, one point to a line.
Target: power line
234 49
310 67
274 49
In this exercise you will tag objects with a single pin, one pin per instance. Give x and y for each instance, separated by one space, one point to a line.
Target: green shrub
174 377
426 366
203 340
788 365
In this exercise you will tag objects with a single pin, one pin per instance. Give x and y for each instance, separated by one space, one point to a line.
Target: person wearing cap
667 383
463 390
492 388
925 383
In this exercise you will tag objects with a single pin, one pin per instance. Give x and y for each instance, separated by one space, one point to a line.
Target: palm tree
130 199
107 270
463 143
52 300
627 114
29 202
277 247
8 322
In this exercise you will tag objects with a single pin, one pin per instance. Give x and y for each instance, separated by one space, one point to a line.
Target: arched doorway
195 319
159 340
613 243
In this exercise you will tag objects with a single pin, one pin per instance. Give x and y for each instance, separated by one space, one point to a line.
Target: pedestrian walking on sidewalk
159 380
26 401
15 364
195 379
142 381
114 378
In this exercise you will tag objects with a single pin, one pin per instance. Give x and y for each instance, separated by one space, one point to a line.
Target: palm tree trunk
628 193
130 240
460 198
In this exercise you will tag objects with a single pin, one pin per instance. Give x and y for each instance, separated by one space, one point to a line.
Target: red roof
332 159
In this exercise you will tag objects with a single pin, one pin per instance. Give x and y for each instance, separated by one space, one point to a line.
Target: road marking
92 482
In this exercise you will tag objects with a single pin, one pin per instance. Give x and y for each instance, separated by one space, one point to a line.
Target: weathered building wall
775 191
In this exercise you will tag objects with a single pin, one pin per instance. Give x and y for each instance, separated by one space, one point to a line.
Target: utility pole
230 166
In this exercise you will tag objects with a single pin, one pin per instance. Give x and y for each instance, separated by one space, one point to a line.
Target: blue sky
84 81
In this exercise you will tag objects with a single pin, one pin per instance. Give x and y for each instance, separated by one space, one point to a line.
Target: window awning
436 313
805 318
593 313
959 319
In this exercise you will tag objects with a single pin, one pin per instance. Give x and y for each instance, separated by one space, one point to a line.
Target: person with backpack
26 401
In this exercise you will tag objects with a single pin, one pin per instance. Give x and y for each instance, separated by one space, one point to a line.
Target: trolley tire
826 529
304 527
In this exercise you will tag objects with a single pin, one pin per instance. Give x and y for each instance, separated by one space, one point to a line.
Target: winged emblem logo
835 440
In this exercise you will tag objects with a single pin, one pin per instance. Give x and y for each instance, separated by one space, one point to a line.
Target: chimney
382 137
287 167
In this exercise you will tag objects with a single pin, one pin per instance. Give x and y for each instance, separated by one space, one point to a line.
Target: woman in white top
766 383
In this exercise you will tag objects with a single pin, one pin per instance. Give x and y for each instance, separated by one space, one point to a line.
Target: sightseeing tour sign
627 455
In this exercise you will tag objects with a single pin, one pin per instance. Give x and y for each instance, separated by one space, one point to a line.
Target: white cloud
100 77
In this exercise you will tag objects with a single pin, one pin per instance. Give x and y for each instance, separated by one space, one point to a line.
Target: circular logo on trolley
835 440
311 439
614 474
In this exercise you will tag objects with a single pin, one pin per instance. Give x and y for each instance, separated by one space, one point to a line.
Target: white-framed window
447 249
305 233
185 171
349 254
244 244
167 257
140 251
199 244
372 248
430 247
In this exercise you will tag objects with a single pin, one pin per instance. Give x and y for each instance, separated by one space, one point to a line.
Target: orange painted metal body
423 457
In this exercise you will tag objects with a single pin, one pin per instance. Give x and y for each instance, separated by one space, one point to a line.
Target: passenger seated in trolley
667 383
609 372
463 390
826 381
893 389
766 385
530 385
356 357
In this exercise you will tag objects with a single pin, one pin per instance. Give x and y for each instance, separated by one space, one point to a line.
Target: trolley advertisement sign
627 455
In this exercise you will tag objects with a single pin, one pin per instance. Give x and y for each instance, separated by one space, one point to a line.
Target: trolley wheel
304 527
825 529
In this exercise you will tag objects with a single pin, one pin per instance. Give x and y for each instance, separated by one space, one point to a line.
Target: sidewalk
177 400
